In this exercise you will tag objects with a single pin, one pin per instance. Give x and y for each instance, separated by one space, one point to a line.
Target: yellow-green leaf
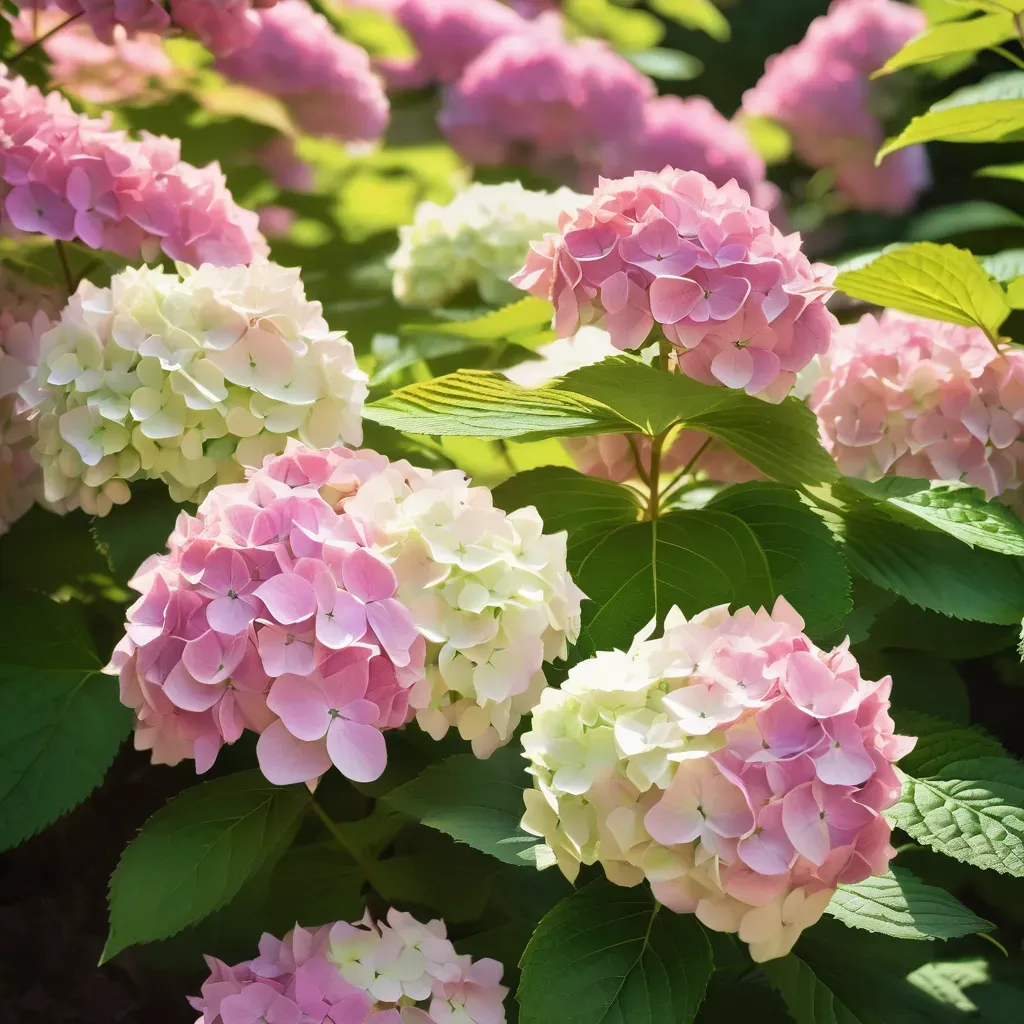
952 37
1011 172
626 30
698 14
991 111
941 282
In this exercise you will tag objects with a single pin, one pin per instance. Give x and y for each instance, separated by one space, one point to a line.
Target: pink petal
393 624
189 694
285 760
629 327
212 657
282 652
804 822
343 623
345 684
673 298
302 706
367 576
358 751
733 366
767 850
288 597
230 615
727 297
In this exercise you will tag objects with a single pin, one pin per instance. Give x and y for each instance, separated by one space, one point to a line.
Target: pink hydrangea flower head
299 605
25 316
535 98
447 34
325 81
734 765
740 302
221 25
103 73
820 90
904 396
692 135
392 971
73 177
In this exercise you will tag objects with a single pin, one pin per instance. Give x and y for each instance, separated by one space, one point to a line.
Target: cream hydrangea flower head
186 377
490 592
481 237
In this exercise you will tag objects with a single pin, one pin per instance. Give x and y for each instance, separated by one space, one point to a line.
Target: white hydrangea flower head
489 591
188 377
481 237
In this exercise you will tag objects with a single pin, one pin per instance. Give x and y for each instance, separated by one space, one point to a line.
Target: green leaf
934 571
991 111
962 512
609 955
806 563
780 440
972 811
668 65
937 281
941 743
691 559
899 904
586 507
529 318
808 999
952 37
1009 172
60 720
967 987
1005 266
476 802
626 30
702 15
1015 293
475 403
196 852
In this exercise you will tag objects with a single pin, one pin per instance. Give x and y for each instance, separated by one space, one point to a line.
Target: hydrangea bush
530 490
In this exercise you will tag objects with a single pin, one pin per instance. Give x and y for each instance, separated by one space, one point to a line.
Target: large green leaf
60 720
196 852
934 571
609 955
899 904
584 506
476 403
691 559
806 562
941 742
970 810
476 802
991 111
952 37
930 280
962 512
527 321
695 14
808 999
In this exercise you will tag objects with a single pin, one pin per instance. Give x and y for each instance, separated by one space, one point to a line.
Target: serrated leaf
991 111
941 742
937 281
476 802
1008 265
962 512
612 955
586 507
806 562
972 811
196 852
808 999
702 15
476 403
61 721
900 905
691 559
945 981
952 37
934 571
529 318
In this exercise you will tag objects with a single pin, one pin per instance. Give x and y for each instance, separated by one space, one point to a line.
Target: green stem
331 825
654 502
681 480
1006 54
69 278
637 460
42 39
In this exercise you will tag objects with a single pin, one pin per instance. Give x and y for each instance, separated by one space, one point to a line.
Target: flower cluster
480 238
220 25
296 604
533 98
904 396
398 972
739 300
447 34
26 313
738 768
73 177
325 81
96 71
821 91
615 456
186 377
692 135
